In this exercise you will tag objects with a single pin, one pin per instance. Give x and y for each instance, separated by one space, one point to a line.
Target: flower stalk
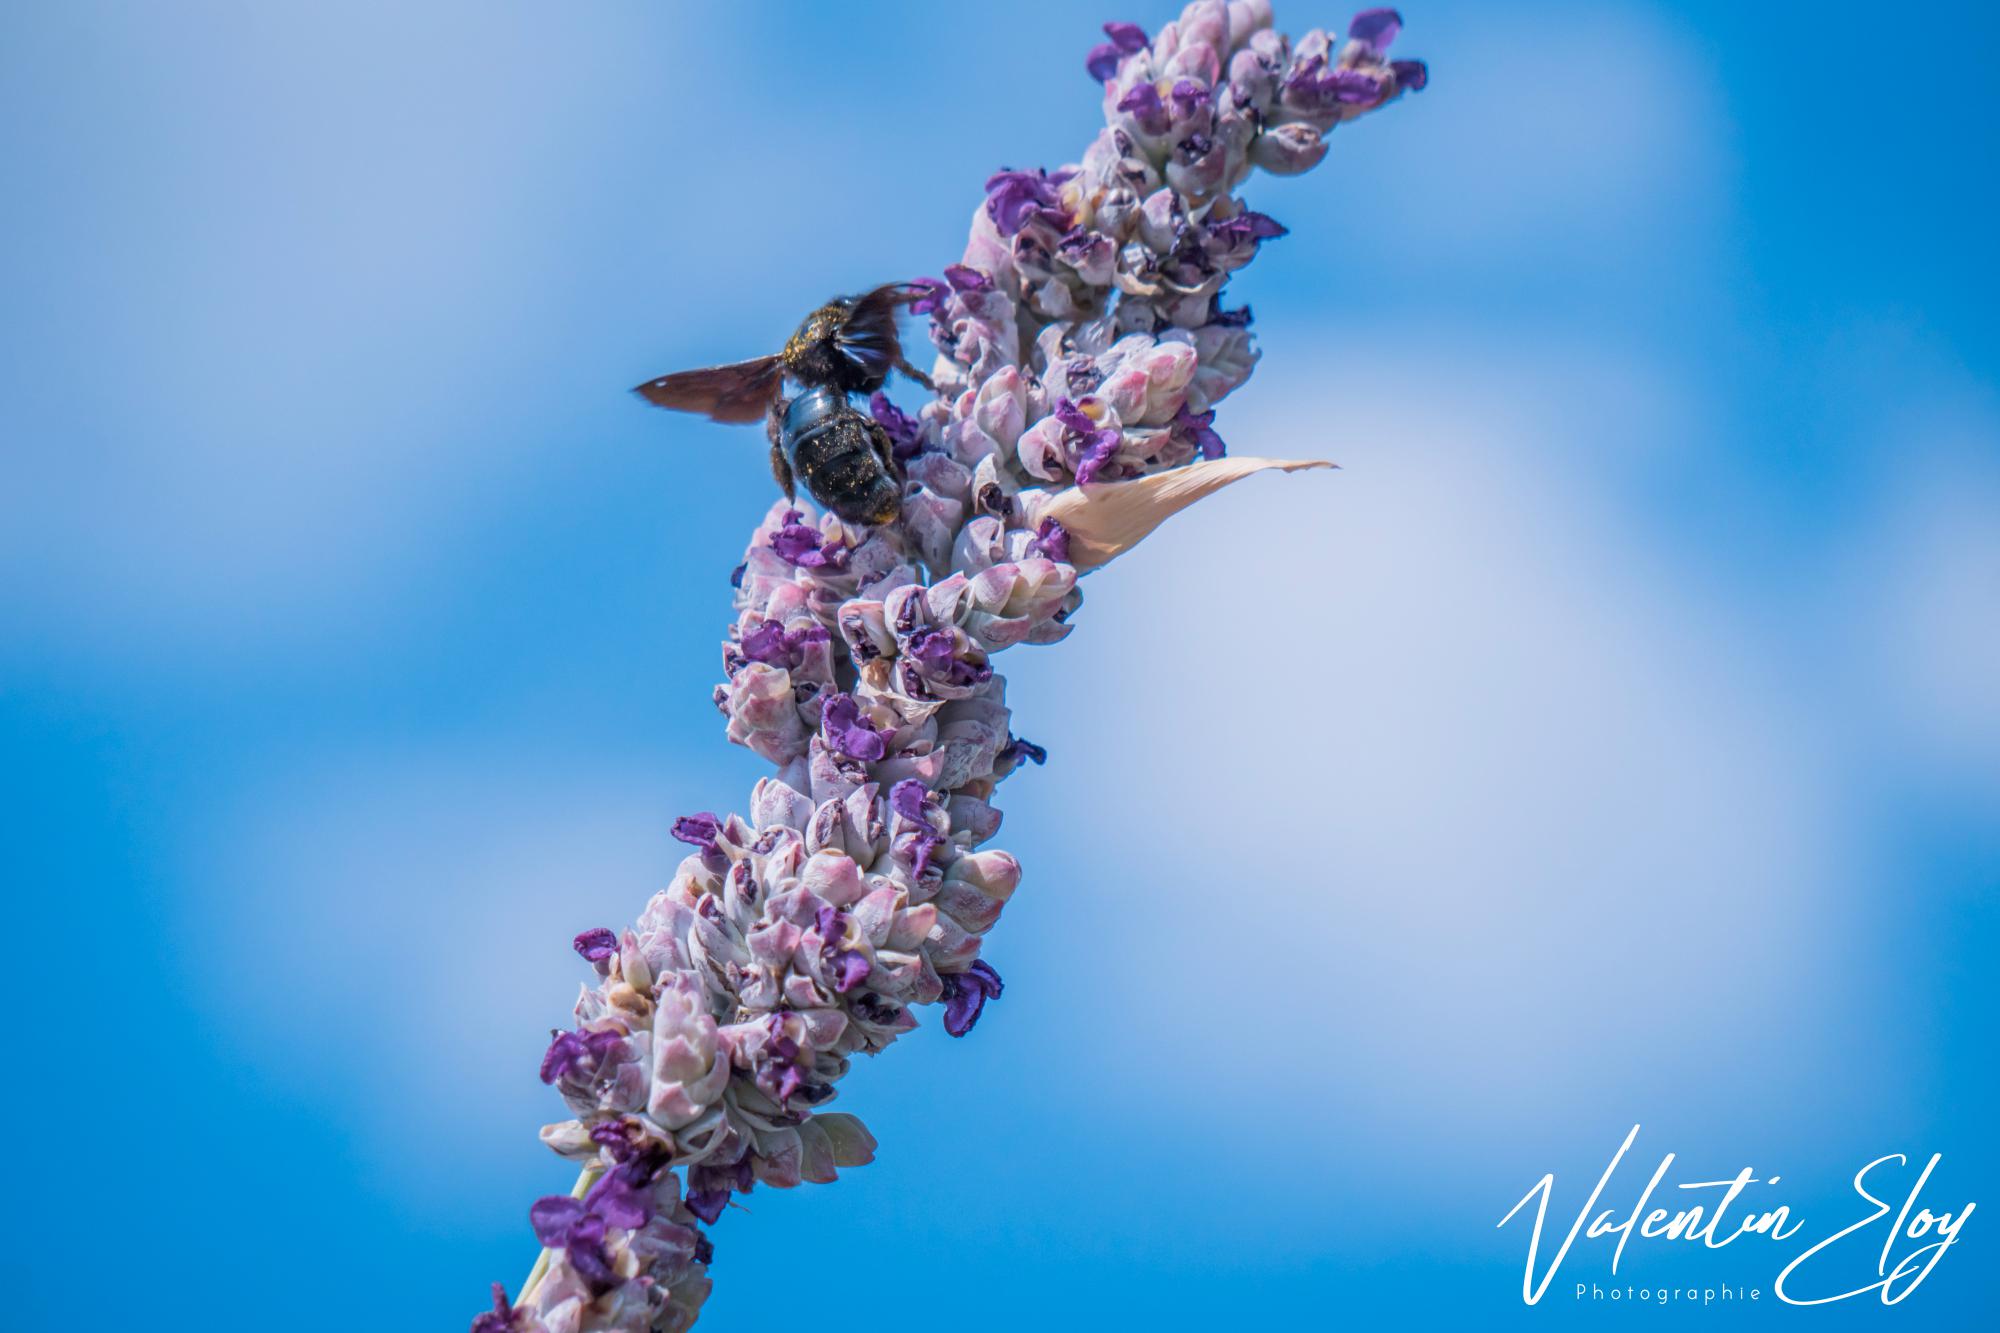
1083 346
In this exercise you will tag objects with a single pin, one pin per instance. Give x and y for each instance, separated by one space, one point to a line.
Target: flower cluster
1082 341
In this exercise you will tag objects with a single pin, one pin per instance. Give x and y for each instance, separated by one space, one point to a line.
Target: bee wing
740 392
879 307
868 338
882 302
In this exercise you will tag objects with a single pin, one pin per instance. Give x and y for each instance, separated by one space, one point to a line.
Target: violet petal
698 830
1375 29
552 1216
596 944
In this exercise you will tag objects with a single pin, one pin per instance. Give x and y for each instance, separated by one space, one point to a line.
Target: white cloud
397 926
1926 580
1431 781
317 306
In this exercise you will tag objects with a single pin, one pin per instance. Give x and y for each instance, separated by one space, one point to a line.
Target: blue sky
1614 740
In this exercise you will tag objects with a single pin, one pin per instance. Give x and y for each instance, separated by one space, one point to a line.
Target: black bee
846 346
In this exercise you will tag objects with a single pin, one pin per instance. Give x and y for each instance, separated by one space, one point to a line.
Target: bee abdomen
832 449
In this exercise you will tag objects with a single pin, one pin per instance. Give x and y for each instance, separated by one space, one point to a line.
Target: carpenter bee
847 346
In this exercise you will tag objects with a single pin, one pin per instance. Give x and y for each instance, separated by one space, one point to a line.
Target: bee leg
910 371
782 471
781 468
885 451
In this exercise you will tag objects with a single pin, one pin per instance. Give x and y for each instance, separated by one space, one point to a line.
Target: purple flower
1246 226
710 1185
919 847
596 944
1016 748
1074 417
581 1051
1194 148
707 1204
850 966
1189 99
966 994
906 798
766 644
1200 428
795 541
1095 457
847 732
1126 39
905 435
698 830
850 970
965 278
502 1318
1414 75
1016 198
909 798
1094 444
1129 38
621 1198
1076 246
1051 540
777 1067
774 645
1375 29
620 1138
931 296
565 1223
1336 87
799 544
936 654
1148 112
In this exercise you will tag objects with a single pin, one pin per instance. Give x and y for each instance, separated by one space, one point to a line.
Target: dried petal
1105 521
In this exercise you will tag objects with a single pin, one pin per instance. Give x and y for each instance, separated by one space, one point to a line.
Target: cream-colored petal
1109 518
